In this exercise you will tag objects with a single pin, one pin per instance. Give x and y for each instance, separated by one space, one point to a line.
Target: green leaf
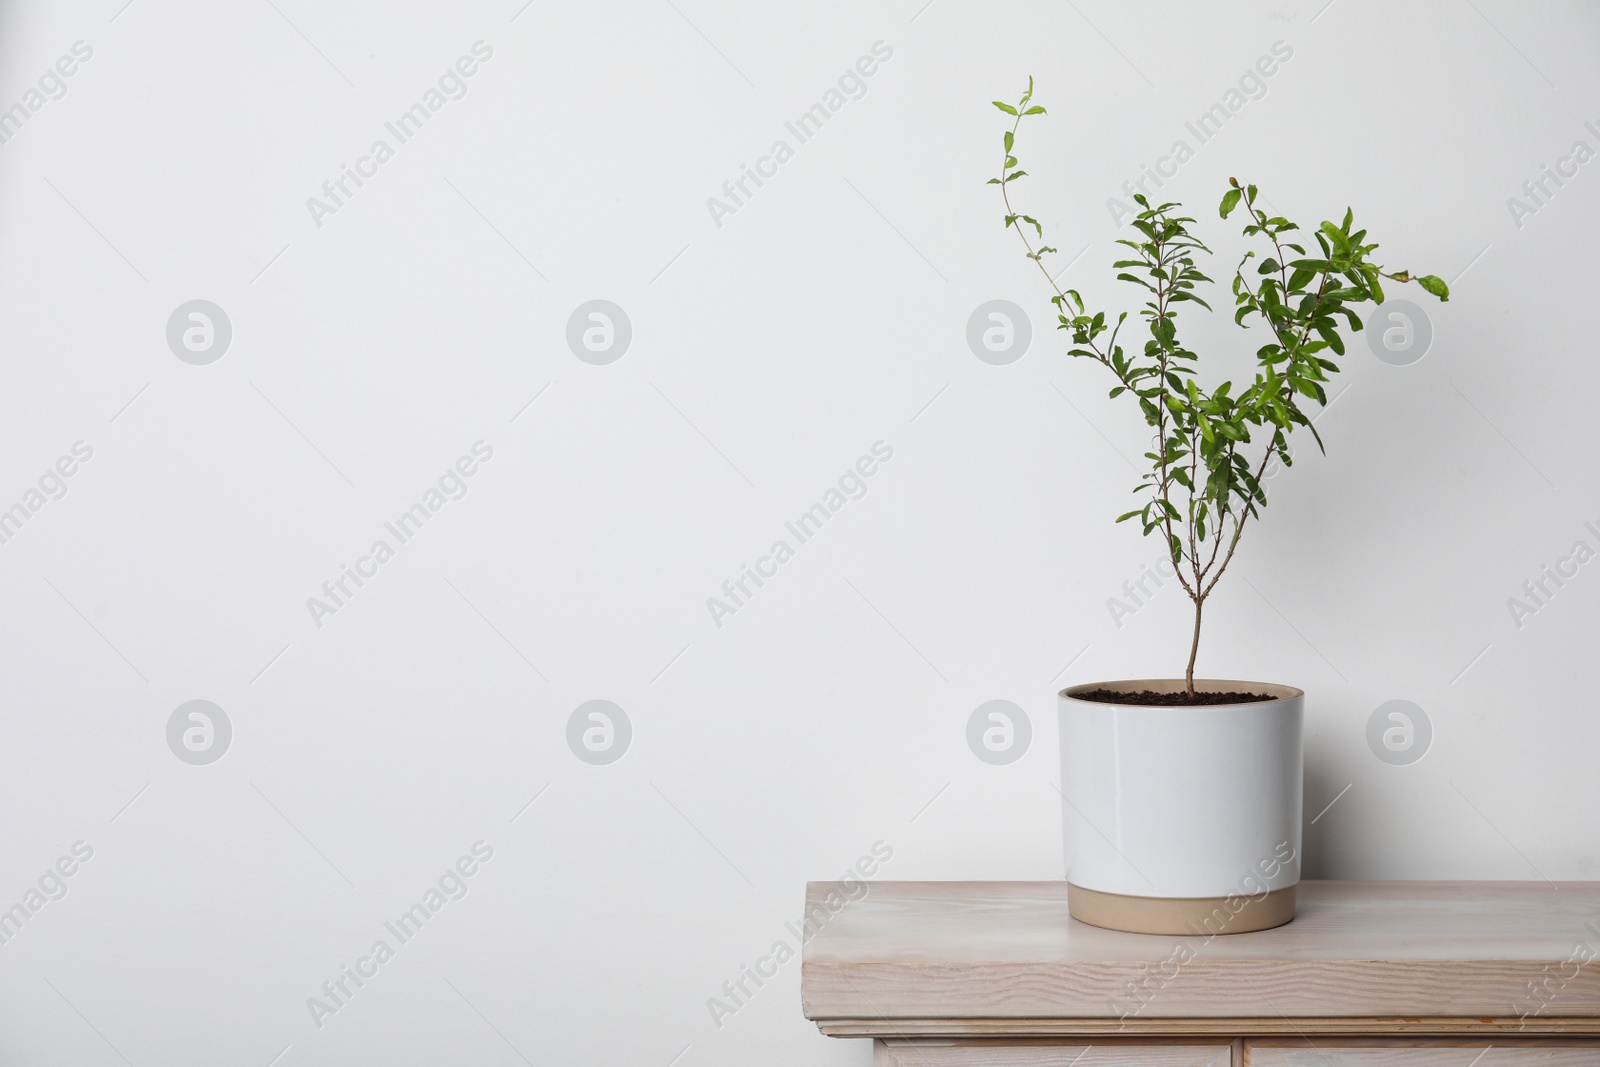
1334 234
1034 110
1007 108
1330 335
1289 461
1435 285
1230 200
1010 140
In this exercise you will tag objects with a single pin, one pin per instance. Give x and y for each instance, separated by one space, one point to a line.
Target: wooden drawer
980 1053
1455 1052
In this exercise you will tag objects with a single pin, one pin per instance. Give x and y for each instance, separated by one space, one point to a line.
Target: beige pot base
1198 916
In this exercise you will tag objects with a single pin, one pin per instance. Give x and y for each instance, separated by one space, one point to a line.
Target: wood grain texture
1364 950
972 1054
1296 1052
1318 1027
1431 1054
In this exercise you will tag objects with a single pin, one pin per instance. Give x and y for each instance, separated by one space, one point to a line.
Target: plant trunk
1194 650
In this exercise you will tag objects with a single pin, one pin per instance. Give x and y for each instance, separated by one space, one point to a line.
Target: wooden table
1370 974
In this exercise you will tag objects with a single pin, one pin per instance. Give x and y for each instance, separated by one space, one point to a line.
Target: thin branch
1238 528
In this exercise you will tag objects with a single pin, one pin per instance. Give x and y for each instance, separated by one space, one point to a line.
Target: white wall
768 353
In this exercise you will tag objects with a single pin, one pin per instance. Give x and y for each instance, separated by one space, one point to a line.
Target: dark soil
1169 700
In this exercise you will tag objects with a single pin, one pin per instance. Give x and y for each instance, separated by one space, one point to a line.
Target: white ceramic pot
1182 820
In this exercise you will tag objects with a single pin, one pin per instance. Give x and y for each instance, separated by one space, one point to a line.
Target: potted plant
1182 796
